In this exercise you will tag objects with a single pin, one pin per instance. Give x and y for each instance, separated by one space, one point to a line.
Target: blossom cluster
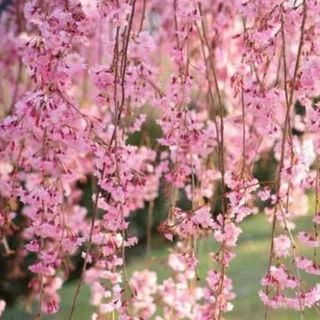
229 84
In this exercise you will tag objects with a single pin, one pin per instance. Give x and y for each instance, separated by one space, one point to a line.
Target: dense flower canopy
228 82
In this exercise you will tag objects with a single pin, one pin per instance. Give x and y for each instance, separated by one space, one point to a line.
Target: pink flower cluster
229 85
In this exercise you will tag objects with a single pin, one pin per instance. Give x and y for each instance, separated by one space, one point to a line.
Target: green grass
246 271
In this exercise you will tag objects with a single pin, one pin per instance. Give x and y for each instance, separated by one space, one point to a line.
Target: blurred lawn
246 271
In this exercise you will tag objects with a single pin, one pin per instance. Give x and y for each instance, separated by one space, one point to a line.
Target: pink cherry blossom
228 235
208 107
282 245
308 239
2 306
